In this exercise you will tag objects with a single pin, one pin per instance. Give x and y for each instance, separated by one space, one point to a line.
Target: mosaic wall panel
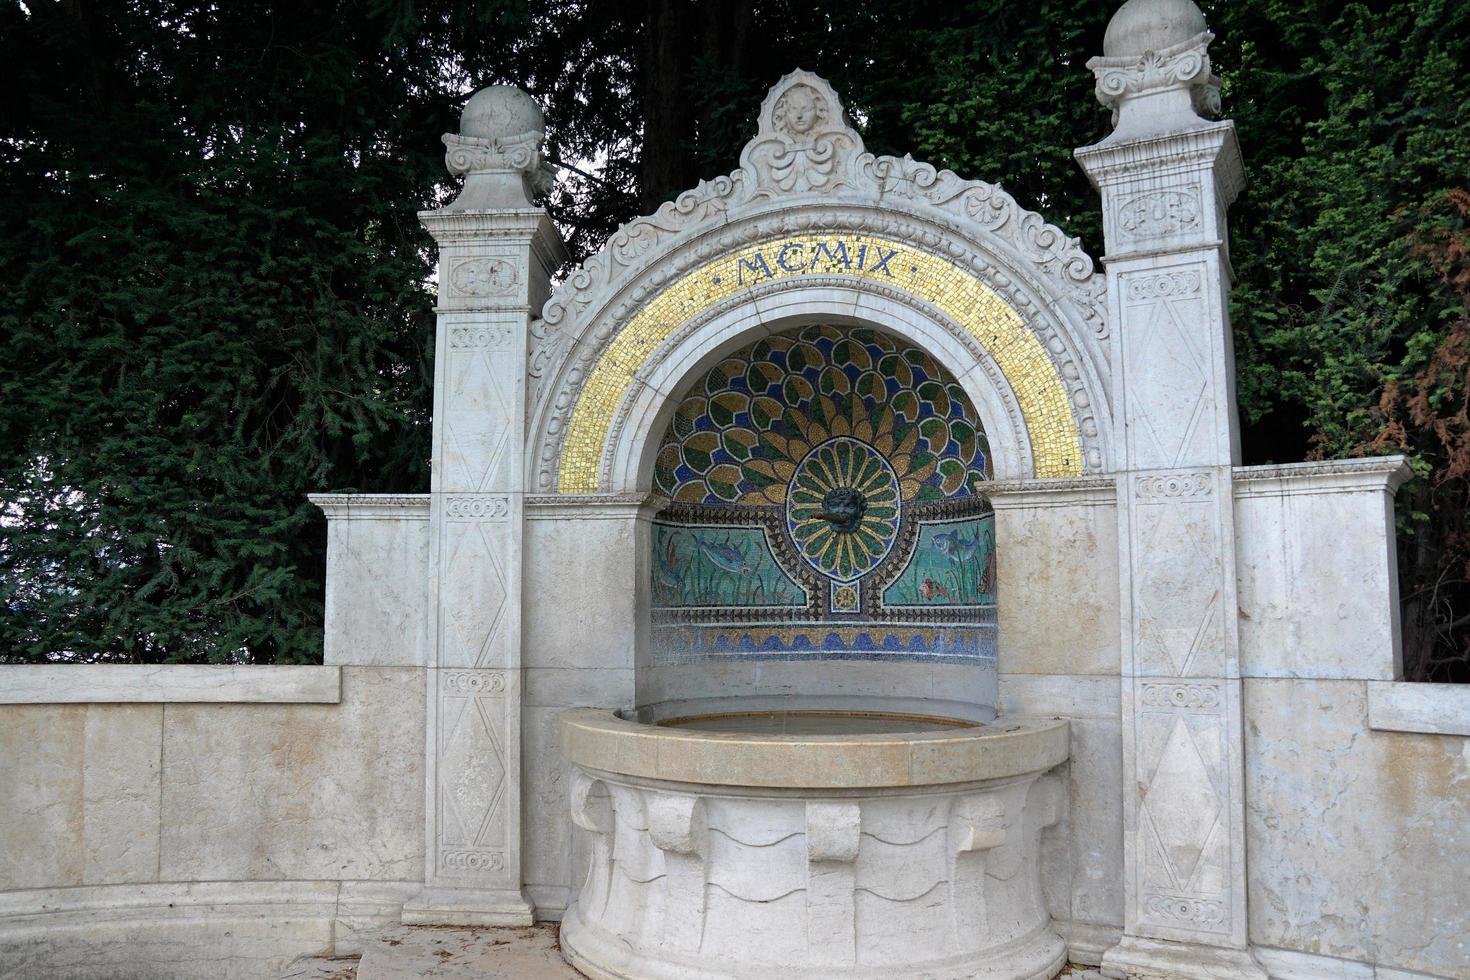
954 291
952 564
828 503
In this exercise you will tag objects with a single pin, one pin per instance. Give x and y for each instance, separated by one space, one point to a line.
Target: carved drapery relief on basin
734 854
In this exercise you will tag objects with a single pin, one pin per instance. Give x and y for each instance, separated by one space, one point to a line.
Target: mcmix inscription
796 257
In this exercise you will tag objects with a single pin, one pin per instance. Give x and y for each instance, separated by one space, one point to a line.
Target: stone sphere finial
1141 26
498 149
500 111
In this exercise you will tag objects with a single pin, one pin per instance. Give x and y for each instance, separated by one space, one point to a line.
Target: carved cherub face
799 111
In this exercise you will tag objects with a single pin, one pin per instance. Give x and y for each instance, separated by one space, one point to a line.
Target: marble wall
246 833
1356 838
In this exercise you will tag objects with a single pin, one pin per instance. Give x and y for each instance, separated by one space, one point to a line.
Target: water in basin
815 723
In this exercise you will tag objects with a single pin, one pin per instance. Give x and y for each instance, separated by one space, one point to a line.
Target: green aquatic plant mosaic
706 566
953 564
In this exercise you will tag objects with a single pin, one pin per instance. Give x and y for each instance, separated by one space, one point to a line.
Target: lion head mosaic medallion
842 508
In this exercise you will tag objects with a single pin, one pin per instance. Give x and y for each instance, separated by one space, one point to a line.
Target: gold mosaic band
1055 448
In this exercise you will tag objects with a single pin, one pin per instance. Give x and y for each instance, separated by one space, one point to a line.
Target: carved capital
1183 68
500 171
480 155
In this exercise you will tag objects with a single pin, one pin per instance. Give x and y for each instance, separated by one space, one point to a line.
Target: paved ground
322 968
447 953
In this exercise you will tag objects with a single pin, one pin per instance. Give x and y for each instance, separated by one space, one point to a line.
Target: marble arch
812 221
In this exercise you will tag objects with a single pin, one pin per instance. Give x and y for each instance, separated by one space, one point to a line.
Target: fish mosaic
953 564
700 567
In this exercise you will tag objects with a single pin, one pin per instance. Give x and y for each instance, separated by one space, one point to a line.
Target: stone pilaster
496 255
1166 176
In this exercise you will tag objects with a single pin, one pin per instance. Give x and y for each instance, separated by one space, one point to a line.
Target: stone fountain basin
932 751
812 844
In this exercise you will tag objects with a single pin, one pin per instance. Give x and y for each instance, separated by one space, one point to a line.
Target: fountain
816 844
793 793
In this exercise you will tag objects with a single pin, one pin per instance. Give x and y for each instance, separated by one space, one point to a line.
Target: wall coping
372 506
593 506
1380 473
168 683
1427 709
1063 492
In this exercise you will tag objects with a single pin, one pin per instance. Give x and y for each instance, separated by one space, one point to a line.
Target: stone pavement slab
322 968
456 953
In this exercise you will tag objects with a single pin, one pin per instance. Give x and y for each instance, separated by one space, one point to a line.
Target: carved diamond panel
473 594
478 420
1166 354
1176 567
471 771
1181 787
1183 806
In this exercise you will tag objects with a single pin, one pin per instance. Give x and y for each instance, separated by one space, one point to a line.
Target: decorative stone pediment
807 173
805 141
805 144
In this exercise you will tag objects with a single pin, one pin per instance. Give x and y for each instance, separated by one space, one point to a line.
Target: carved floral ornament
483 277
806 172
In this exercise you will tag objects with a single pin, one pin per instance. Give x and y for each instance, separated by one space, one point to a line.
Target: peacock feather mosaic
827 488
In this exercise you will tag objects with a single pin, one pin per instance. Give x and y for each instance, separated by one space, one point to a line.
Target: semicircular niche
827 488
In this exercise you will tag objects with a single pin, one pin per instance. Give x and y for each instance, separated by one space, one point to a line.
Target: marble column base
1136 956
469 907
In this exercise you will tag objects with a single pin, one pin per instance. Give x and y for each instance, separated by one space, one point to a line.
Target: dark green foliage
215 302
217 294
1355 122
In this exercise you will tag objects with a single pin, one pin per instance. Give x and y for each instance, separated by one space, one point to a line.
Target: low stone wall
183 822
1356 835
216 827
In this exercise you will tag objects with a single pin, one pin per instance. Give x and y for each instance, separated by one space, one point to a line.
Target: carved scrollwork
1169 486
476 508
1144 288
471 860
473 681
483 277
1160 213
1194 911
482 338
1198 696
